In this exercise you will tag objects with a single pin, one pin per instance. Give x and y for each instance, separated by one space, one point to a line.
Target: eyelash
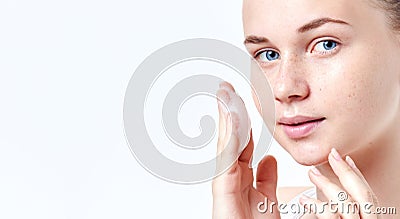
322 53
327 52
258 53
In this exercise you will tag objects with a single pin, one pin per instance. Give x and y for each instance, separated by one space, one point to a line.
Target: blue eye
268 55
326 45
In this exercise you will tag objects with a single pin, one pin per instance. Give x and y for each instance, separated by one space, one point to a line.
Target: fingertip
267 168
226 85
267 164
350 162
313 173
312 177
267 176
269 159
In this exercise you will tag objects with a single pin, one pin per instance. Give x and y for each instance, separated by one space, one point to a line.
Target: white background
64 67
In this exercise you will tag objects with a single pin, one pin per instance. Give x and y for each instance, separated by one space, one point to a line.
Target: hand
354 192
233 193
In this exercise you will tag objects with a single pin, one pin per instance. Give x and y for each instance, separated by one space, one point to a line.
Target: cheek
370 90
360 99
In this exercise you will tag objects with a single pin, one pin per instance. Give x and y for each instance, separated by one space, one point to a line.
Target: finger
336 196
315 207
229 181
267 177
227 86
231 152
231 176
229 146
327 187
353 166
247 153
351 163
224 96
236 104
222 99
229 126
346 174
229 142
353 181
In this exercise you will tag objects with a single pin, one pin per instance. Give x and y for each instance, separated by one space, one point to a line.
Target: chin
310 160
306 152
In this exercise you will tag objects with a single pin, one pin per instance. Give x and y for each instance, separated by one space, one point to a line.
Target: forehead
261 16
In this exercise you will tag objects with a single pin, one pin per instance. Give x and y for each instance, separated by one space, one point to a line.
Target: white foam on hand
242 125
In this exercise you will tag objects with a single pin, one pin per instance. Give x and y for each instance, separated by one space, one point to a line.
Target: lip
300 126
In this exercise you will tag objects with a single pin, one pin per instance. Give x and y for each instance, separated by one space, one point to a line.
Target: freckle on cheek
351 95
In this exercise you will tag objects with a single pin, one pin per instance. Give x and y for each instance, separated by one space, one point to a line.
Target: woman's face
334 69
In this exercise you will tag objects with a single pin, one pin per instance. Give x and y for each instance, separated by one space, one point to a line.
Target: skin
355 86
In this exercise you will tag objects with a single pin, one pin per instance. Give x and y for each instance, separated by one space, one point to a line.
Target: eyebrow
252 39
319 22
255 40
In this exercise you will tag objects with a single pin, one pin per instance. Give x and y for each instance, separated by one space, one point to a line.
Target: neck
379 163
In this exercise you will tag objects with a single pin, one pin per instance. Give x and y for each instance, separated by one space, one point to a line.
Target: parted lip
298 120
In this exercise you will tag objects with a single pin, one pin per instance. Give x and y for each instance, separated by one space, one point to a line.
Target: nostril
292 95
297 97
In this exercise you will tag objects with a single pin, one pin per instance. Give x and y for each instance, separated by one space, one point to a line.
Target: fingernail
350 162
335 154
316 171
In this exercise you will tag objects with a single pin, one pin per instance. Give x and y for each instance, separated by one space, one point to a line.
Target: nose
290 83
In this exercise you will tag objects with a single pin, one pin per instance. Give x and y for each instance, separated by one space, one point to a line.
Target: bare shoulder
285 194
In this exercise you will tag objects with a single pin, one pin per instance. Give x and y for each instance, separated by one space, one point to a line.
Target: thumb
267 177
